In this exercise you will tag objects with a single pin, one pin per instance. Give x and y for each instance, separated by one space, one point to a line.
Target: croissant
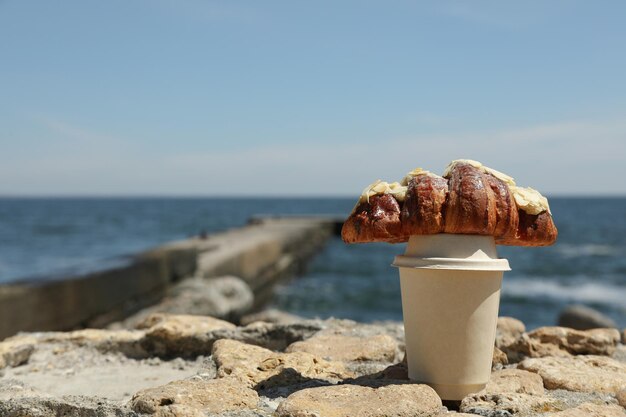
470 198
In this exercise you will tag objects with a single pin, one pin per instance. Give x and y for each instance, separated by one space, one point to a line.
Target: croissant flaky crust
468 199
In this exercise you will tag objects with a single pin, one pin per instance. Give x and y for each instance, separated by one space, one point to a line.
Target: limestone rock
581 317
186 397
191 336
621 397
272 336
127 342
591 410
16 350
455 415
509 390
514 381
561 341
507 404
577 342
579 373
499 359
180 334
525 347
69 406
354 400
379 348
270 316
508 330
262 368
179 411
183 323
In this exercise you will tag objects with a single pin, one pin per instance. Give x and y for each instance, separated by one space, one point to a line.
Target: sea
48 238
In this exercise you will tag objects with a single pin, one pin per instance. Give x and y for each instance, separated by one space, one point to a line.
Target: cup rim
464 264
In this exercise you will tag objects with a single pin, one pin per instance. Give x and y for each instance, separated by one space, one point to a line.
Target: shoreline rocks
190 365
581 317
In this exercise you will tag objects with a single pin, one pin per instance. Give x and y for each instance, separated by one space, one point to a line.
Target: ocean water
45 238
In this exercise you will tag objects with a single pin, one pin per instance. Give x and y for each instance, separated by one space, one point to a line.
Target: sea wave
588 249
590 292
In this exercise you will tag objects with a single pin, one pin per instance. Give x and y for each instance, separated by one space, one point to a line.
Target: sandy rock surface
378 348
591 410
185 365
580 373
210 396
561 341
354 400
262 368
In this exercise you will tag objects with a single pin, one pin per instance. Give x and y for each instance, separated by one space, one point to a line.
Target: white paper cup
450 297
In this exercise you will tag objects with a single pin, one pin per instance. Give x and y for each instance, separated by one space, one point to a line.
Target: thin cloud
566 157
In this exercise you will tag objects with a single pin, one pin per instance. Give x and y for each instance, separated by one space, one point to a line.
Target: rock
397 371
508 330
621 397
183 323
127 342
507 404
190 336
581 317
624 336
363 355
224 297
179 411
354 400
514 381
69 406
262 368
188 397
572 399
578 342
180 335
379 348
13 389
620 353
227 298
525 347
270 316
499 359
272 336
579 373
508 390
562 341
16 350
591 410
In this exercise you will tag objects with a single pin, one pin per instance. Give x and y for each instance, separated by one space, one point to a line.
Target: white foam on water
589 292
589 249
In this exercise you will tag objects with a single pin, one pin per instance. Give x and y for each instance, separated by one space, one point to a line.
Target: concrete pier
261 253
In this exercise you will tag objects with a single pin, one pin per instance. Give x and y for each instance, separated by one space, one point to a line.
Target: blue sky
307 98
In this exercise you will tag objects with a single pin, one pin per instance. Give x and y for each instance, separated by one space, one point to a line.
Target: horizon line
244 196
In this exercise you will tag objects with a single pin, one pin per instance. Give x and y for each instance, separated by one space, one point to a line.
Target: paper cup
450 297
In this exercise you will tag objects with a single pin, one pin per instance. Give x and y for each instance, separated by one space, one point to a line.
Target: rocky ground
166 364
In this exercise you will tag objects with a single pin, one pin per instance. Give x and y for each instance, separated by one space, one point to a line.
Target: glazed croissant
469 199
